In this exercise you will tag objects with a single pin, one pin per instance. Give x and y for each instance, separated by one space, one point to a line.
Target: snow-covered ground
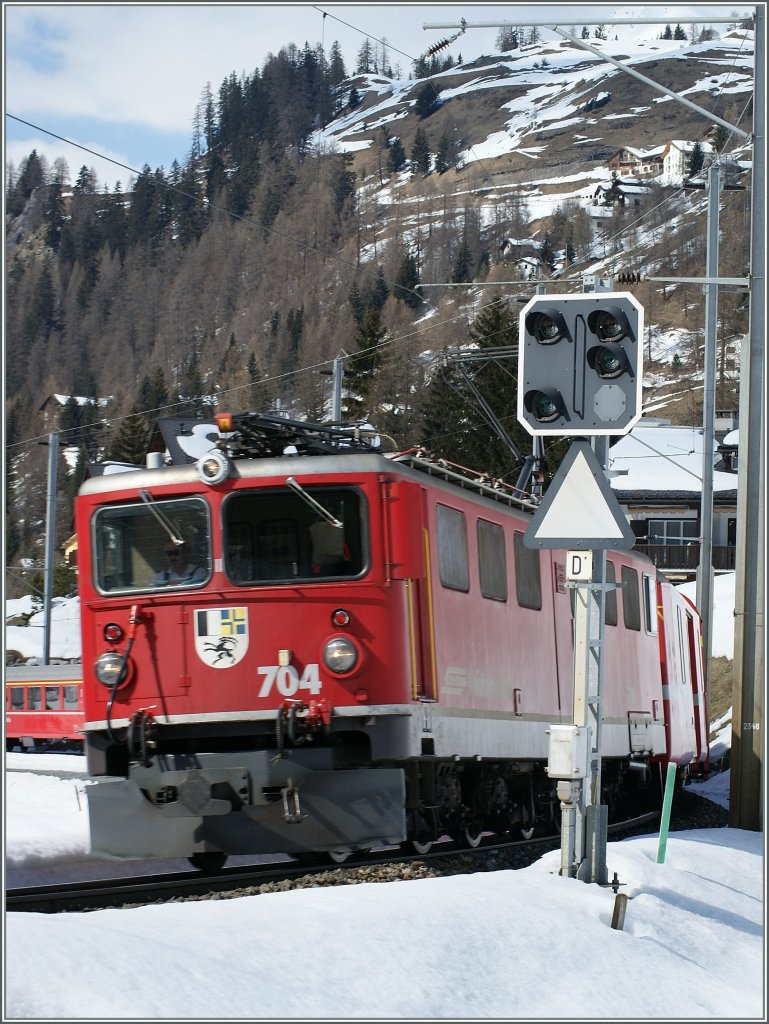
510 945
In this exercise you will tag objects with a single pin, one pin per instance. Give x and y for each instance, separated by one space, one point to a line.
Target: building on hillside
619 192
675 160
53 405
660 491
630 162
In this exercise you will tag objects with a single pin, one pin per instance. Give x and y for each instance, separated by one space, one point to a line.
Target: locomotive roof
414 465
261 445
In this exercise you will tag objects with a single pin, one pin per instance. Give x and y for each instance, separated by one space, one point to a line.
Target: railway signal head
579 364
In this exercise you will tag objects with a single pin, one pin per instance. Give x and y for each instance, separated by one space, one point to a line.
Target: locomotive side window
650 603
453 562
135 549
52 698
528 581
17 698
35 698
279 535
631 605
492 561
610 606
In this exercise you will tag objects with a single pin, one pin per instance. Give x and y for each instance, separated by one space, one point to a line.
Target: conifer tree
420 153
696 159
407 281
362 365
462 269
455 425
129 444
426 100
396 155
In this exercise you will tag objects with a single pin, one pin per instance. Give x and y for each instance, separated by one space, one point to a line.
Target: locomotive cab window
650 603
453 565
492 563
631 604
528 581
610 602
281 536
136 546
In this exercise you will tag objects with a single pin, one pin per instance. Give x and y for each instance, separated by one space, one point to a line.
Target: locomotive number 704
288 681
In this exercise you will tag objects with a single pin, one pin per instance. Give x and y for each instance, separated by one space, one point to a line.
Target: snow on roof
659 457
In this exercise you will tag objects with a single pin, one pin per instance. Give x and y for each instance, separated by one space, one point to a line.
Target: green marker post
667 803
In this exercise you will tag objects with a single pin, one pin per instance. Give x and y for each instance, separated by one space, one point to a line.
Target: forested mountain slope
392 220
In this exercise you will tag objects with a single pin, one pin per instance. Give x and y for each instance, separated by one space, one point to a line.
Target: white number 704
287 679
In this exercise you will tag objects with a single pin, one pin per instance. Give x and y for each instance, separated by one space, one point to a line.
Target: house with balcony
630 162
656 475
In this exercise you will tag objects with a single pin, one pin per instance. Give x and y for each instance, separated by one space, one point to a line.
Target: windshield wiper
161 517
313 503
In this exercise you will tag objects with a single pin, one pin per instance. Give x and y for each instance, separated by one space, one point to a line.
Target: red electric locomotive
299 644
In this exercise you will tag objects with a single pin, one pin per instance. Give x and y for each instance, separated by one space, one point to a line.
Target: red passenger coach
44 708
301 644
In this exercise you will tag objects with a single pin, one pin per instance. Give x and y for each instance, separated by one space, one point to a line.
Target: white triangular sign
579 510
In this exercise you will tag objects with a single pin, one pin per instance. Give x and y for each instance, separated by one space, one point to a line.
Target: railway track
389 865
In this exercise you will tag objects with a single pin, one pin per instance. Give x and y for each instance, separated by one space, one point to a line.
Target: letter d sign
579 565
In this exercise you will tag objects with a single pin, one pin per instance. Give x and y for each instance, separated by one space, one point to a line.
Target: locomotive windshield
148 545
280 535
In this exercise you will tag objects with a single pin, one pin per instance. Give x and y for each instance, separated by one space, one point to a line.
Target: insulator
437 46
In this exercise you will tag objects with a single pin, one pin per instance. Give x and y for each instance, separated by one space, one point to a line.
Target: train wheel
526 827
341 855
211 861
471 836
421 847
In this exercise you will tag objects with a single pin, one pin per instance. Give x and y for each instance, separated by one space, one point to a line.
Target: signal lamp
223 421
607 325
545 405
113 633
340 617
547 327
609 361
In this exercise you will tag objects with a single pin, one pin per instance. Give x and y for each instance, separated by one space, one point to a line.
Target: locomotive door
409 555
696 671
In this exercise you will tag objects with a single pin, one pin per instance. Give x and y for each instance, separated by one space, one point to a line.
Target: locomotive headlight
340 655
108 669
213 467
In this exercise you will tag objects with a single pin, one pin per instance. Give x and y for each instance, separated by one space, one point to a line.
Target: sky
509 945
123 80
